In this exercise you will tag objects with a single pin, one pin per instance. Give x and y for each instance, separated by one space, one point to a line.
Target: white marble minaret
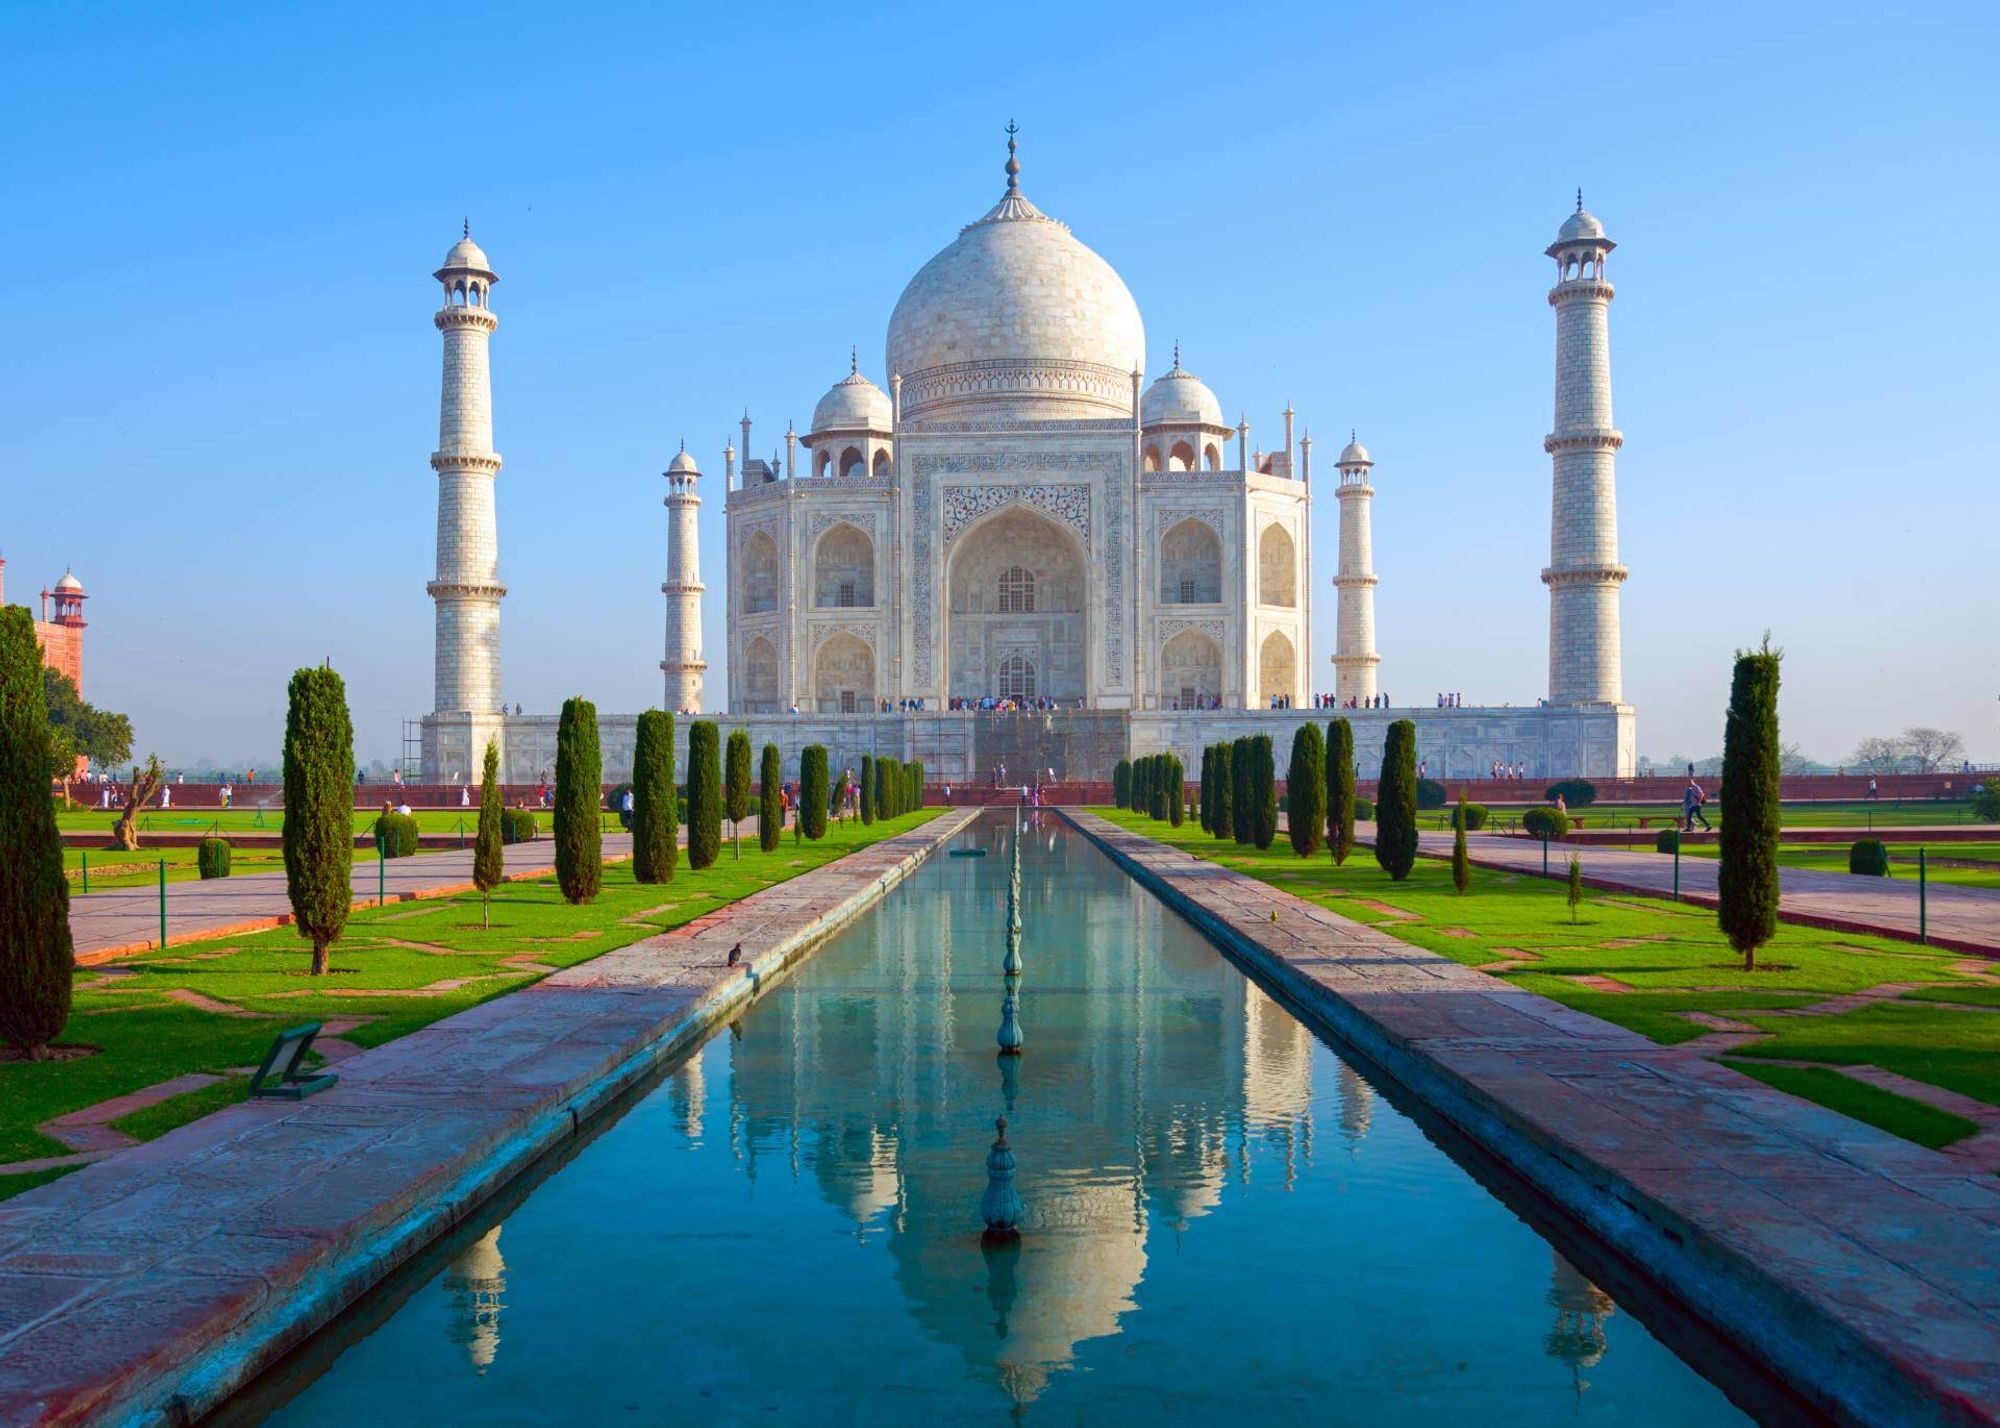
1354 659
1583 576
683 663
467 589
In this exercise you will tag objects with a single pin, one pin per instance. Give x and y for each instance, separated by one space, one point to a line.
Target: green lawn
1665 960
1832 858
406 950
113 869
1888 813
1899 1115
246 819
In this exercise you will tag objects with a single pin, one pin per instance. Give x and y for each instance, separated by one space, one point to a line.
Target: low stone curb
1863 1270
147 1288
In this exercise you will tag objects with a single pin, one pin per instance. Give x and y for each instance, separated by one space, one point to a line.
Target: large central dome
1016 320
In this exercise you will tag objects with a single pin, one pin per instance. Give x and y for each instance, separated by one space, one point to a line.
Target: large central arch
1016 595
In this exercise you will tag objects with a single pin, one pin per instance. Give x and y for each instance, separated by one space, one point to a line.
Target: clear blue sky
220 376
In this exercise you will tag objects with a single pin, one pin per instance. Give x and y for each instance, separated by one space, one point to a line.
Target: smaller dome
1355 454
1578 227
70 582
1180 399
854 404
682 462
467 256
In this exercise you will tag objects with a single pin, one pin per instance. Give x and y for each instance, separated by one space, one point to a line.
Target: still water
1224 1221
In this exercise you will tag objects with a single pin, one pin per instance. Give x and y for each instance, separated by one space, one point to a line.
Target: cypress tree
319 808
1121 783
654 822
813 791
1747 890
1305 790
488 862
579 795
1207 768
1340 789
882 789
917 785
1461 865
1242 802
1264 790
1396 802
1156 786
736 785
36 953
1575 894
1176 791
771 799
1222 820
868 790
704 793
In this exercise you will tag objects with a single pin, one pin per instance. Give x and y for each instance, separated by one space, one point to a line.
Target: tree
1340 789
1121 784
655 818
917 784
1396 802
80 730
36 954
1927 750
1263 791
319 808
1305 790
1242 809
867 789
579 832
1878 755
1223 819
736 785
771 799
813 791
1986 799
1574 895
705 794
139 794
884 799
1461 865
1747 880
1206 810
488 862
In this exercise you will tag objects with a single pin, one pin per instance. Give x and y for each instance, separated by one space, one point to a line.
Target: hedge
1431 794
1364 809
517 825
1475 815
1544 823
1667 840
1869 857
1576 792
396 834
211 858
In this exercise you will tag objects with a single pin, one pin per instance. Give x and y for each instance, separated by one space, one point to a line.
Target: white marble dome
1579 227
69 583
1179 399
1355 454
1016 319
466 256
682 462
853 404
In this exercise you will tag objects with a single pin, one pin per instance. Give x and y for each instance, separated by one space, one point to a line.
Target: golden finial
1013 163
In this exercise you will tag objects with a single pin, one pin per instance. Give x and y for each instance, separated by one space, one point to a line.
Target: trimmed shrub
36 951
1207 772
916 786
1431 794
1121 784
1342 808
1305 791
1545 824
704 773
1242 806
1364 809
1747 880
211 858
1461 862
1263 790
579 781
770 799
1869 857
1575 792
884 797
517 825
1667 840
1396 802
867 789
1176 791
655 800
813 791
1222 820
1469 816
614 802
1156 787
397 834
319 808
736 783
1575 880
489 865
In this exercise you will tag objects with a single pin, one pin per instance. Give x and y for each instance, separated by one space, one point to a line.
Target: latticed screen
1017 591
1017 677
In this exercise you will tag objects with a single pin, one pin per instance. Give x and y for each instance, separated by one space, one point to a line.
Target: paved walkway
1965 919
147 1287
1863 1269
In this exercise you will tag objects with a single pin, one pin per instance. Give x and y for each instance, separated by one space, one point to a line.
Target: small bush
1576 792
1544 823
212 858
396 834
1476 815
1668 840
1985 800
1431 794
1364 810
517 825
1869 857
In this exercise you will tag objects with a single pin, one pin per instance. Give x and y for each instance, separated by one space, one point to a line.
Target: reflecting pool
1223 1220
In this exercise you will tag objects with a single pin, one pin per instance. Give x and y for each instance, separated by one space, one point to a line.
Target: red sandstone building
59 634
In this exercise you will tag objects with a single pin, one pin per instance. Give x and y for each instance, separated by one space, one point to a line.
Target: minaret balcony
1581 290
1592 438
1594 574
461 459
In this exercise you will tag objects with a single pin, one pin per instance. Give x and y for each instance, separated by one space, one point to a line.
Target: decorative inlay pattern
824 521
821 633
1115 541
920 572
1165 518
1167 629
1067 503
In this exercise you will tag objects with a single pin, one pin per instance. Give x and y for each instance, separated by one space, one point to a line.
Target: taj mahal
1019 551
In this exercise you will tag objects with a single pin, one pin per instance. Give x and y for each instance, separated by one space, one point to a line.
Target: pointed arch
844 676
1190 669
759 580
844 568
1190 564
760 677
1277 667
1181 458
1277 567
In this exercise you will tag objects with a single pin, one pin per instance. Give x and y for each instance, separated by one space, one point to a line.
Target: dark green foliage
397 835
319 808
1544 823
76 728
916 786
1461 863
736 776
1747 891
704 773
867 789
1470 816
1574 792
1667 840
884 796
1263 791
579 787
1341 807
1305 789
1207 809
771 798
1869 858
1575 894
489 864
1431 794
1156 786
517 825
1242 800
1396 802
1222 820
1176 791
1985 801
1121 784
614 802
654 797
813 791
211 858
35 946
1364 809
